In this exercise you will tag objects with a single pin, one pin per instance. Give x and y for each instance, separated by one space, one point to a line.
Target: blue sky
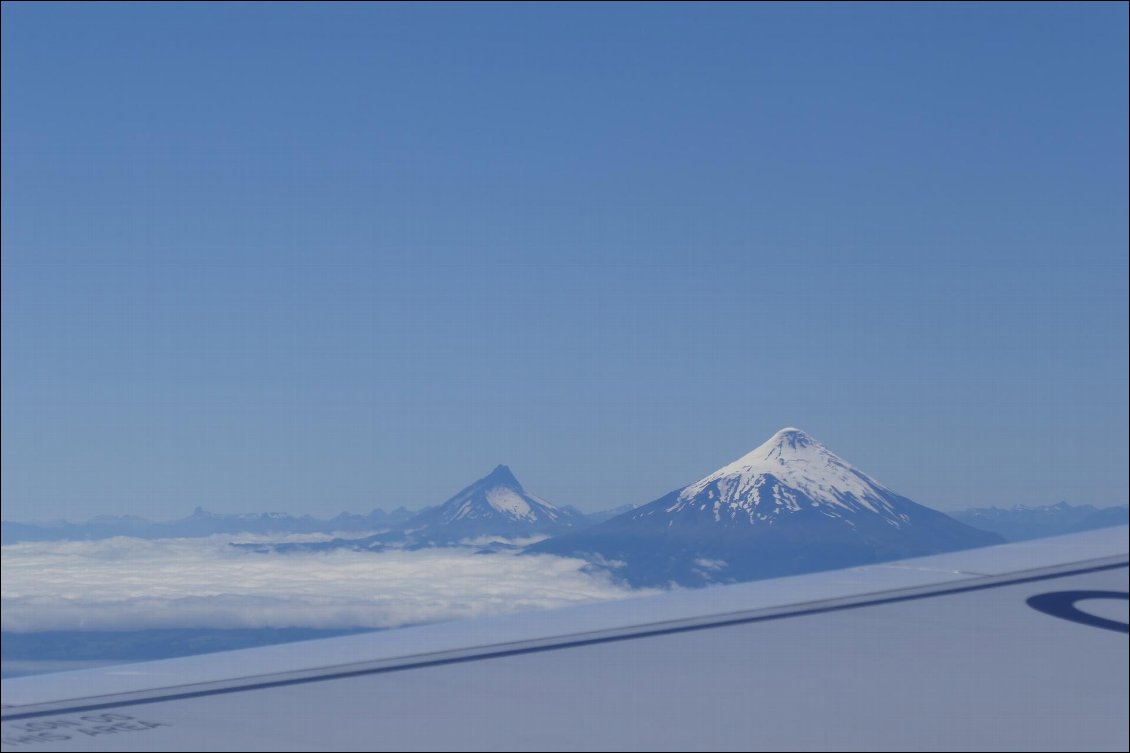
314 258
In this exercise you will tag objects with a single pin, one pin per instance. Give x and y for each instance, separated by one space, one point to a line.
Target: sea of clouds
136 584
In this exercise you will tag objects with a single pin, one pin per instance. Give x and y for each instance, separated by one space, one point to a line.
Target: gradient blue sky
309 259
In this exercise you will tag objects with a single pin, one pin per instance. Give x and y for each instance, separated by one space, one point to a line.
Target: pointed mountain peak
787 444
501 476
797 460
495 504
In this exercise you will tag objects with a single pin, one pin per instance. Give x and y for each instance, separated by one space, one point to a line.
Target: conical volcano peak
790 438
496 505
789 506
786 445
799 461
501 476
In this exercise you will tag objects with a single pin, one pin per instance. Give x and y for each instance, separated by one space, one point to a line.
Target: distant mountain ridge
200 523
494 505
491 513
719 524
1022 522
789 506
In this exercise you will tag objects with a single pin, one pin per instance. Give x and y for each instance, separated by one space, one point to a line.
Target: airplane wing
1020 646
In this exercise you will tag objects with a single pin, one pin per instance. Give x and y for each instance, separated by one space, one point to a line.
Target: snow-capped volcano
789 506
495 505
790 470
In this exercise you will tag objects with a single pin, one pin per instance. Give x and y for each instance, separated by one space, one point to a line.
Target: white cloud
131 584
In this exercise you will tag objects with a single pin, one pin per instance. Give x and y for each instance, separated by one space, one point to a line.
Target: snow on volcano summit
789 506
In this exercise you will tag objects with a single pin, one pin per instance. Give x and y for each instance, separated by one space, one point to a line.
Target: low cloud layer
132 584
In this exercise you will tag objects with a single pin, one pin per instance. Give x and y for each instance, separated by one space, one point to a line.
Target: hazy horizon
390 507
